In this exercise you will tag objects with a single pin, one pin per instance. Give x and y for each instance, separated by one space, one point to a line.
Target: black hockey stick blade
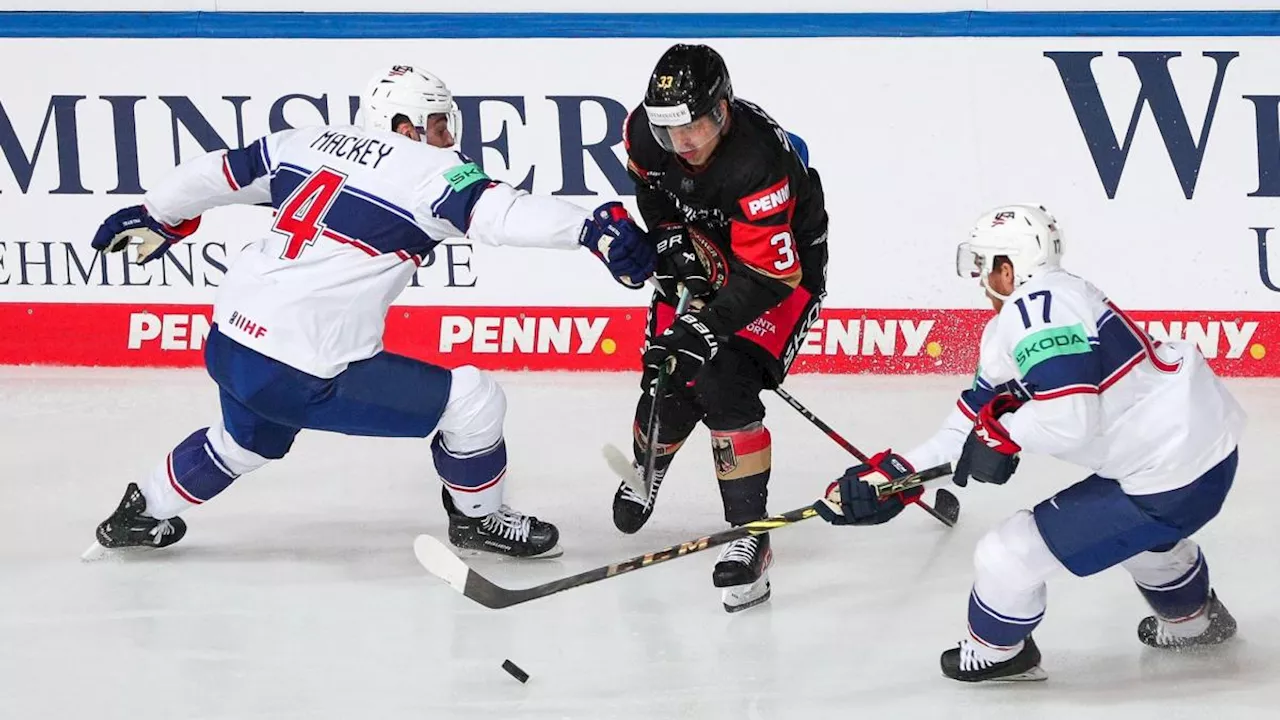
947 505
440 561
935 513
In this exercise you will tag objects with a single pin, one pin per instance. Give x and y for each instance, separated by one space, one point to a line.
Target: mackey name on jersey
369 152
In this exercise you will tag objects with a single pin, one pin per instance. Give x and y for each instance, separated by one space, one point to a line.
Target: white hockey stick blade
441 562
95 552
625 471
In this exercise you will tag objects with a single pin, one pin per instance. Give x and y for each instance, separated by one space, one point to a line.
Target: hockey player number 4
301 216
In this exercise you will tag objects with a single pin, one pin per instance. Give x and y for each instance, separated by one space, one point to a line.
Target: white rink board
914 138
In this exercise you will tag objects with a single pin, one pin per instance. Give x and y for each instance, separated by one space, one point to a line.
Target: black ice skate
631 510
504 532
964 664
1155 632
130 526
743 572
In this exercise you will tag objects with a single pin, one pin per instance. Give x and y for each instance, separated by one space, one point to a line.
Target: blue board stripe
635 25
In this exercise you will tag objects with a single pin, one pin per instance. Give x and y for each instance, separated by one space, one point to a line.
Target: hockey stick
621 467
659 388
948 506
914 480
440 561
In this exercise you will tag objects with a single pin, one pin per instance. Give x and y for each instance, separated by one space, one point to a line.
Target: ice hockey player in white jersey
298 321
1064 372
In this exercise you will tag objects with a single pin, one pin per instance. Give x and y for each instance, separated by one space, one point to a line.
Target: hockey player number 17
1046 301
301 216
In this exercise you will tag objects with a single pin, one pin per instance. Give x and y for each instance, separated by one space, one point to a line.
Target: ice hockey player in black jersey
739 220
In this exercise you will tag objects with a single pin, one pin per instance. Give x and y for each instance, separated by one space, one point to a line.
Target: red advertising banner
893 342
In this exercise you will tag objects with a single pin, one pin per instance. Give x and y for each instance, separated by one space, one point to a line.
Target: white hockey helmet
408 91
1027 235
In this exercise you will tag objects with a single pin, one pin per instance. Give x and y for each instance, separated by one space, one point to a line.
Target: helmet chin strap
991 292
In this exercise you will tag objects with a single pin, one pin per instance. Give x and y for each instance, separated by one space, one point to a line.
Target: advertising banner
1160 157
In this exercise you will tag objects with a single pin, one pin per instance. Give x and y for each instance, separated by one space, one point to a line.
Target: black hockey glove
852 500
678 263
989 454
688 343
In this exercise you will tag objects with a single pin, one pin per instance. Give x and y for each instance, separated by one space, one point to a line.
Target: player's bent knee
1168 564
475 411
1014 554
236 458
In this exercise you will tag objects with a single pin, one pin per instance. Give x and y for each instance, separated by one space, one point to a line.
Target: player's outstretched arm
499 214
171 210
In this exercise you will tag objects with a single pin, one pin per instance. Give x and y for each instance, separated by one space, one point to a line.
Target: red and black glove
989 454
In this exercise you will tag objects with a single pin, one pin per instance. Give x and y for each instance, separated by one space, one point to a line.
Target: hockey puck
515 671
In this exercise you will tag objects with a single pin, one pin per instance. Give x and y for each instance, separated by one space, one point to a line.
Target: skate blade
554 552
1191 648
95 552
1035 674
470 552
768 592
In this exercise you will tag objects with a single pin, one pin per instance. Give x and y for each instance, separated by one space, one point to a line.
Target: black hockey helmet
687 84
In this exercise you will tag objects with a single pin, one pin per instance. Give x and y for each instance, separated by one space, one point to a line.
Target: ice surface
296 594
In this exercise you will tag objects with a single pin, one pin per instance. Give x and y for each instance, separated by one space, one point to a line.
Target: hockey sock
1011 563
743 459
470 453
997 634
473 479
1175 583
200 467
